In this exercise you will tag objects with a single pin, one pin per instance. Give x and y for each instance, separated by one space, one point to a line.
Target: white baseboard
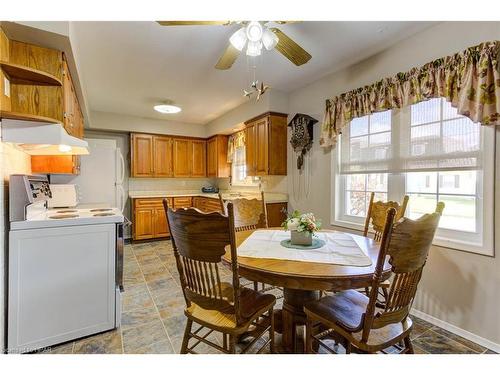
457 330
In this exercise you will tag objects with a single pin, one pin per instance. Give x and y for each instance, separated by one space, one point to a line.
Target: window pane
421 204
355 182
461 135
359 126
449 111
425 140
425 112
421 182
457 182
356 203
377 182
380 145
459 213
359 146
378 197
380 122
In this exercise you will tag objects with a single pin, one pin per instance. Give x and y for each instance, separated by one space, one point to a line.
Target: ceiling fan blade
228 58
291 50
191 23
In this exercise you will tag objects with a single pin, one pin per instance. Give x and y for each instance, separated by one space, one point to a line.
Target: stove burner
100 210
68 216
65 211
105 214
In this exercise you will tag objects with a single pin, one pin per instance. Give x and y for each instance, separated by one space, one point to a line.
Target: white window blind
429 152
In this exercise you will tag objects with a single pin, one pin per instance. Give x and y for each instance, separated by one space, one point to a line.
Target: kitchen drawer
151 202
200 203
182 202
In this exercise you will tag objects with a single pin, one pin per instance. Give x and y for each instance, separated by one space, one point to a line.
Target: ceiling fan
254 35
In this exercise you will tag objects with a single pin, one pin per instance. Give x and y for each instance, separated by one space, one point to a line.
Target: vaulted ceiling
127 67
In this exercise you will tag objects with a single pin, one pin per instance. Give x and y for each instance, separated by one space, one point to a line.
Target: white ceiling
127 67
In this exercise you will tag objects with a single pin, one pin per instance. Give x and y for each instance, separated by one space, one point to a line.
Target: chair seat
344 309
343 312
252 305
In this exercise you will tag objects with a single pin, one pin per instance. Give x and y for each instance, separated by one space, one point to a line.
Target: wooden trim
24 75
28 117
278 114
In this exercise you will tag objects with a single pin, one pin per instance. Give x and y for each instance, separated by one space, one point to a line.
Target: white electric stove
65 268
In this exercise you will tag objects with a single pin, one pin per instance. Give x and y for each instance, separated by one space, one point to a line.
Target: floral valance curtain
234 142
470 80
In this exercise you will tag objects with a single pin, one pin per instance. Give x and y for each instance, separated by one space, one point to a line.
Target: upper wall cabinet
151 155
265 144
36 85
164 156
190 157
217 165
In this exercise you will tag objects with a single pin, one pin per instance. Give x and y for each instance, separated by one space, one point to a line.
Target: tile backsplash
12 161
165 184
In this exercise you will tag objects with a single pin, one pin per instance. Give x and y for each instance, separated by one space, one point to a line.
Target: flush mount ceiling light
167 107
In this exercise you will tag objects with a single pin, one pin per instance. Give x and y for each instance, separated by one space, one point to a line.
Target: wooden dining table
303 281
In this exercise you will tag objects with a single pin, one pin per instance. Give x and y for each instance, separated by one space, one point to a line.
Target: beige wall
11 161
459 288
125 123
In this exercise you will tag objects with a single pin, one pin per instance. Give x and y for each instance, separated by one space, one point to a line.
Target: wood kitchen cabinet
217 165
141 148
162 156
276 213
265 145
41 89
189 157
198 153
149 219
207 204
151 155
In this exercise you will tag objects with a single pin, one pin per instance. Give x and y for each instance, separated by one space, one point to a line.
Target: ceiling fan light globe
254 31
239 39
269 39
254 48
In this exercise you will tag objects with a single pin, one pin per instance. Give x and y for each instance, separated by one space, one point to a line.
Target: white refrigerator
101 175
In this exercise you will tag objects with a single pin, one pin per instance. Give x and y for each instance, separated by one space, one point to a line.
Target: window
239 169
429 152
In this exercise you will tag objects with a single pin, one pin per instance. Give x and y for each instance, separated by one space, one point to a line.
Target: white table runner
339 248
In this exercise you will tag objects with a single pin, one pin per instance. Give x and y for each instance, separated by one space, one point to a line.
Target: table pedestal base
293 315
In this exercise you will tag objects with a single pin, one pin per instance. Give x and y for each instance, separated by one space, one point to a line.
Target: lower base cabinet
150 221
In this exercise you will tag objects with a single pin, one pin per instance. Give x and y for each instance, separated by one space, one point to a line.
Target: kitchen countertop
269 197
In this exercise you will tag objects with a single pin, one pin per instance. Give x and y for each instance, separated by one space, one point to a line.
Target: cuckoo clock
302 135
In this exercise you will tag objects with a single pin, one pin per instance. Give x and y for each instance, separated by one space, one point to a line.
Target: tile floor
153 320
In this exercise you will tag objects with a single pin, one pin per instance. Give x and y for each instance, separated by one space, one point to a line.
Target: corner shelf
20 74
27 117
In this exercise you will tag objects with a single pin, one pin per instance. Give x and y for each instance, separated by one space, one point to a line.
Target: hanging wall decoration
302 135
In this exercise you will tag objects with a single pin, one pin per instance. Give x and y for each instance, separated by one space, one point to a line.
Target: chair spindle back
199 241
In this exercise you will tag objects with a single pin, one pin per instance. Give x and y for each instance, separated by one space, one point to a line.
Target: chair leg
348 348
224 340
232 344
255 285
409 345
185 339
272 348
309 334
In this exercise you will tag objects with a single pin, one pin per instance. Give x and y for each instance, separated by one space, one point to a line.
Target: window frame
482 243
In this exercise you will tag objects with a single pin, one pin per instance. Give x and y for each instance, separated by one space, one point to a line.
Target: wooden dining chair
377 213
250 214
199 241
355 318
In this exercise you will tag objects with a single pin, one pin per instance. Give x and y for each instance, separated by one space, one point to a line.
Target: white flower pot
301 238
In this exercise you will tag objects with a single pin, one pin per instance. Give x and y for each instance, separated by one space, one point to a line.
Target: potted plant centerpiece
302 227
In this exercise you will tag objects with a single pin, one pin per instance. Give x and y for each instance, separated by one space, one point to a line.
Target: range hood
39 138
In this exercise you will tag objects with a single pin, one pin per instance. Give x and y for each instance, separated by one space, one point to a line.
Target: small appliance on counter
64 269
210 189
63 195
